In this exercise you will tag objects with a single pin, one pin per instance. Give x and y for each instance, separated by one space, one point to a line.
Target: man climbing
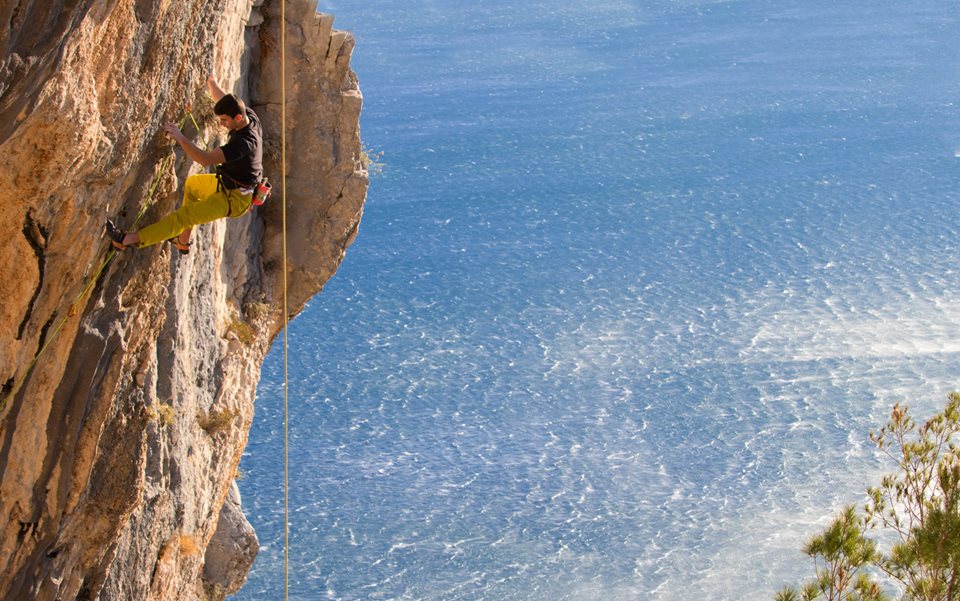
206 196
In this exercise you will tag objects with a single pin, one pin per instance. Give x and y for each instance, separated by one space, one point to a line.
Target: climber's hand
216 92
173 132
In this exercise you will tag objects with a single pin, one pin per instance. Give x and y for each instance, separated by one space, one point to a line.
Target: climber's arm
197 154
216 92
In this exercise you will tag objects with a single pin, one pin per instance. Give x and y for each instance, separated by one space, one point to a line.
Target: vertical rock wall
119 446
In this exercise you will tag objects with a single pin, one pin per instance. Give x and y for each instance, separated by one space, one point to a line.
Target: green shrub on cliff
918 508
372 161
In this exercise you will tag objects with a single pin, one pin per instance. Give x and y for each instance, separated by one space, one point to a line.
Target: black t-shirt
243 154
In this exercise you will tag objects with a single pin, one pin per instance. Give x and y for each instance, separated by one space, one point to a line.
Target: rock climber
208 196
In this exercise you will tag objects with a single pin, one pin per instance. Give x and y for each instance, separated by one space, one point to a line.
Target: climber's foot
116 236
183 247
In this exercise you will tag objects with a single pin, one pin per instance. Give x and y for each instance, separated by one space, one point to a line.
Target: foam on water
635 285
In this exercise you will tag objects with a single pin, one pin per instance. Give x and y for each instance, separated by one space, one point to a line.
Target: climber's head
230 112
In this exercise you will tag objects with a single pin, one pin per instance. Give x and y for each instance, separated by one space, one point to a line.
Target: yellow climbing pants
202 203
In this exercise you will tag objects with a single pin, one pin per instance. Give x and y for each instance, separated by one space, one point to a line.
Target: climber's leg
202 203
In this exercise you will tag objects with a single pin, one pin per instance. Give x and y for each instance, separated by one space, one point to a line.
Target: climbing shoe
116 235
183 248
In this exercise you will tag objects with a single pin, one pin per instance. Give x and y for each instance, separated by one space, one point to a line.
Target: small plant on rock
216 421
242 330
163 414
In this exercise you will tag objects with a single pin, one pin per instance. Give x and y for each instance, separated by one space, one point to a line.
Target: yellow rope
286 382
93 279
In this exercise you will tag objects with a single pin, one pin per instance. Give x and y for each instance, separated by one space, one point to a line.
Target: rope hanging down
72 310
286 380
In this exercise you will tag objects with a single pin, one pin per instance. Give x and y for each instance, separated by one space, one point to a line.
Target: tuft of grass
372 161
163 414
202 110
216 420
214 593
243 331
256 311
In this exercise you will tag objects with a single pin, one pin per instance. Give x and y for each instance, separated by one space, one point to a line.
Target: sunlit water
635 284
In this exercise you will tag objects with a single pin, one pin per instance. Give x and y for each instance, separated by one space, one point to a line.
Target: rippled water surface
637 280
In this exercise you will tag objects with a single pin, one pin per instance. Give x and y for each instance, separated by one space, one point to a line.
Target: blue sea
634 285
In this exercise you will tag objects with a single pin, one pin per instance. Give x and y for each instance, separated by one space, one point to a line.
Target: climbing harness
259 192
72 310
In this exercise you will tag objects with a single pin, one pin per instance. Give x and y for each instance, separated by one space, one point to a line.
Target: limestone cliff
119 446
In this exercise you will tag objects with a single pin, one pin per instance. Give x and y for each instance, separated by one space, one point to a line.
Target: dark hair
229 105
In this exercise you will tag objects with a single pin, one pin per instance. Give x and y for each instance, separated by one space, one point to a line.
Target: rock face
232 549
119 444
